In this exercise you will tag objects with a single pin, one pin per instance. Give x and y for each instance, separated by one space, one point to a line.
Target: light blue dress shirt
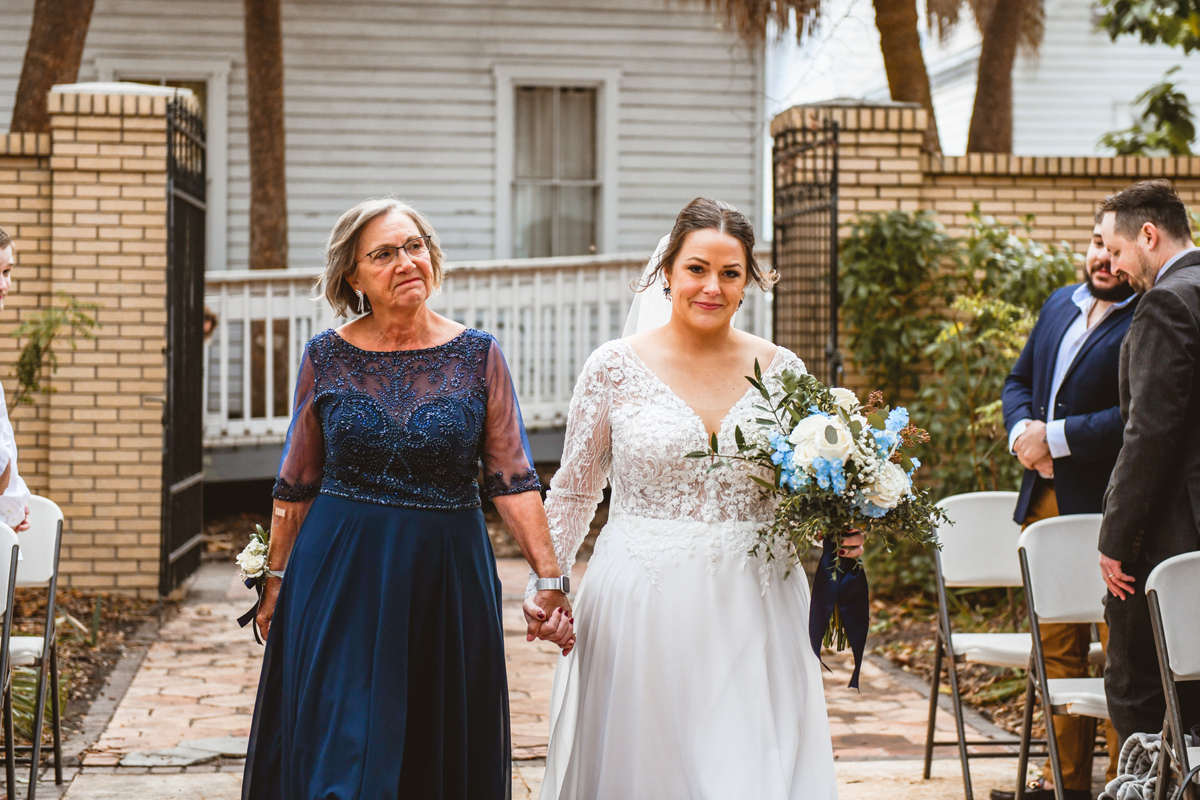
1068 348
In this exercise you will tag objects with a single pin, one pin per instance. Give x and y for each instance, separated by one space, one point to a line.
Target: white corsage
253 559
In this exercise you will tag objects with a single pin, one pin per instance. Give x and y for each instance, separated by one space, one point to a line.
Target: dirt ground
89 644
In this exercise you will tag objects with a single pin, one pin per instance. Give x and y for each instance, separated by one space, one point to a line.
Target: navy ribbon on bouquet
847 591
248 617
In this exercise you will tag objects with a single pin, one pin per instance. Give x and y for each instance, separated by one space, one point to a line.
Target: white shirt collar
1171 263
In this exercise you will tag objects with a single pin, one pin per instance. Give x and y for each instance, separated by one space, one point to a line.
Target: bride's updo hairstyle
707 214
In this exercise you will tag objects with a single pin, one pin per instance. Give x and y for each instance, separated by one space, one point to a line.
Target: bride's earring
362 309
666 291
741 301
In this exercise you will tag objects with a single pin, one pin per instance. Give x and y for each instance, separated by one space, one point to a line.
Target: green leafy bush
904 254
995 280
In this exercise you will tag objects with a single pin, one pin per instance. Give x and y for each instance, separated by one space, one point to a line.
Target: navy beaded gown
384 674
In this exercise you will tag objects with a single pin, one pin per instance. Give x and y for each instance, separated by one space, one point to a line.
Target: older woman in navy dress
384 668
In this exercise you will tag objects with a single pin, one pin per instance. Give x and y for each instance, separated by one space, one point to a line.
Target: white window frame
607 82
215 73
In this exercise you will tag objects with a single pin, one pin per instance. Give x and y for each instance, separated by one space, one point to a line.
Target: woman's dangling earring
741 301
362 309
666 291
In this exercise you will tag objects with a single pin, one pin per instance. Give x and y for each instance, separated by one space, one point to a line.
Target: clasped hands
1033 451
548 616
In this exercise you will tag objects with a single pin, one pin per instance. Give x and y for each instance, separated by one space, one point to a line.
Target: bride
692 675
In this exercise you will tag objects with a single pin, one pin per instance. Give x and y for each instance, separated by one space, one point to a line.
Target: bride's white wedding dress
693 676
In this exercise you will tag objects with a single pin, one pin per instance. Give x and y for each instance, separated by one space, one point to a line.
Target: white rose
890 485
810 438
844 399
253 564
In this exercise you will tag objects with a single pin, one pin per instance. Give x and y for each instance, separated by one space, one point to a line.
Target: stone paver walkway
196 686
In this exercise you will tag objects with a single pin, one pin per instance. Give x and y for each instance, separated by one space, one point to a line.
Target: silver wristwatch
562 584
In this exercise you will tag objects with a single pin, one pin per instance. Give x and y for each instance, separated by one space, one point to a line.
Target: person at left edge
1062 411
14 494
384 674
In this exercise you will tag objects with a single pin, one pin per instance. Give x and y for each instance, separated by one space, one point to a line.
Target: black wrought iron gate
183 431
805 249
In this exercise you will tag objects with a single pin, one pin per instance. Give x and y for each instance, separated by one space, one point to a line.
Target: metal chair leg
56 715
960 725
39 719
10 761
935 686
1164 769
1026 735
1052 740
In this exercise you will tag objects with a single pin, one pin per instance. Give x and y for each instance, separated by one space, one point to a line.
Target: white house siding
400 97
1078 87
1081 84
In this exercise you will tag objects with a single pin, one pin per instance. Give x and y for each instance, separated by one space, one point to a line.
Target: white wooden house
1079 86
551 143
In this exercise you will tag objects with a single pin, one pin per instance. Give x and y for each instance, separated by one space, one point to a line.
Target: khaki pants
1065 646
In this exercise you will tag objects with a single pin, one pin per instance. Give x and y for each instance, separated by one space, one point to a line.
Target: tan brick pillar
109 246
879 153
25 215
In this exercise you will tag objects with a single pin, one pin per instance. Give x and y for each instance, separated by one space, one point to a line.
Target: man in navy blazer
1062 411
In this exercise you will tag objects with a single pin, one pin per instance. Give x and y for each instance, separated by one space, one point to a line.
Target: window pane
532 209
535 132
576 221
577 134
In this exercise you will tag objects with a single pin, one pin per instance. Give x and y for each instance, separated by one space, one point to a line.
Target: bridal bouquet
837 467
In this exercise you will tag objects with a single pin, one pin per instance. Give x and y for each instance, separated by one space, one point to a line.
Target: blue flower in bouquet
897 420
829 473
916 465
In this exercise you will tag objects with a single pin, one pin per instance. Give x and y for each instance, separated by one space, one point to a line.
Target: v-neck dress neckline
728 413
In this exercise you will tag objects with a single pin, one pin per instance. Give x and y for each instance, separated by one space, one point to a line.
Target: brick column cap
852 114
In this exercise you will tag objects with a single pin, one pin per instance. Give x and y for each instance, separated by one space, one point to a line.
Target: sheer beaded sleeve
578 486
303 463
507 461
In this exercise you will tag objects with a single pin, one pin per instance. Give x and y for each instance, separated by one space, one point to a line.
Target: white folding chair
1173 592
9 551
978 549
1062 584
38 569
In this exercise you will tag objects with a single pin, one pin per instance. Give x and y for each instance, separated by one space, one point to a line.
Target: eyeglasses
387 256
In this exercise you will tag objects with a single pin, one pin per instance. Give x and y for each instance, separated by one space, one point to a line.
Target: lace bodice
405 428
626 426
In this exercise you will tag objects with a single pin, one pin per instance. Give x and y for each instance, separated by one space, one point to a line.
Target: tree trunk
264 94
992 116
908 80
52 56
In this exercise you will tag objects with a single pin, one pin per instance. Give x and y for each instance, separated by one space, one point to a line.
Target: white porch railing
548 314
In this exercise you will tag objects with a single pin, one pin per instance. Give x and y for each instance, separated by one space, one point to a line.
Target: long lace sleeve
507 461
303 463
578 486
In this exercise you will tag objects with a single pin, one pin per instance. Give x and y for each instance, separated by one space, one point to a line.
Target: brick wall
25 215
86 206
882 168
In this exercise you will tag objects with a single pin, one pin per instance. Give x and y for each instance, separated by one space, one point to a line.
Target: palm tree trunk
992 117
908 80
264 94
52 56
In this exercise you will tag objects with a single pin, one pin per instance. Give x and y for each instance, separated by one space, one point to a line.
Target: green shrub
994 282
903 255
